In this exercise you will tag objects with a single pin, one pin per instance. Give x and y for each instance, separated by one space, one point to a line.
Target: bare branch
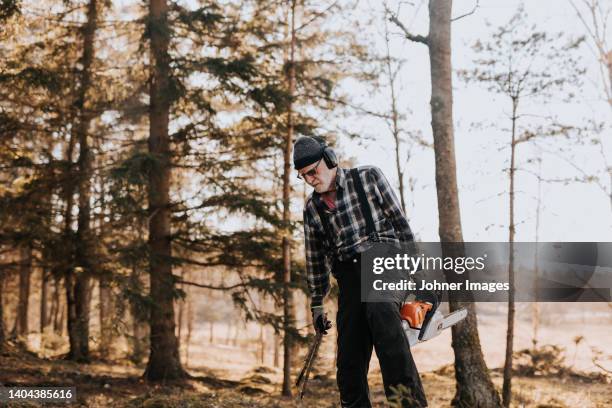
317 15
204 286
587 178
347 104
598 38
416 38
564 180
598 365
526 137
468 13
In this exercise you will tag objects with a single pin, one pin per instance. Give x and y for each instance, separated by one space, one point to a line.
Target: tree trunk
45 272
181 311
56 305
164 361
2 327
106 315
107 301
78 300
395 130
78 281
66 260
262 345
179 321
44 299
507 385
25 271
139 316
277 341
536 305
189 331
474 387
62 320
288 309
139 343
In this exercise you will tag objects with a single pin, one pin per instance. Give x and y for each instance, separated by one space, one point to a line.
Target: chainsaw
422 321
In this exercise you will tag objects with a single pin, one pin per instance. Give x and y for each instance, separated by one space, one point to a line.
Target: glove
429 296
319 320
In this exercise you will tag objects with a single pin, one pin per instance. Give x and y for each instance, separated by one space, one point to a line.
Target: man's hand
319 320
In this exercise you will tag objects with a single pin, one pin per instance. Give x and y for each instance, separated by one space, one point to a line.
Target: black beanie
306 151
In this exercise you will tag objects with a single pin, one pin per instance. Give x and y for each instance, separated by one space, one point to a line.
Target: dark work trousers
362 326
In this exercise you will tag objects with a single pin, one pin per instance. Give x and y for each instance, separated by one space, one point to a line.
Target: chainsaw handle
435 303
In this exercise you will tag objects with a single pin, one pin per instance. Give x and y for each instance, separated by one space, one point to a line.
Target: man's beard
322 187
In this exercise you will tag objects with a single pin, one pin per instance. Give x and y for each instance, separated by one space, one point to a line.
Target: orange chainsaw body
414 313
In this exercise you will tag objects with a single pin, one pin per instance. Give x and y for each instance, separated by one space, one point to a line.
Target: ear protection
329 157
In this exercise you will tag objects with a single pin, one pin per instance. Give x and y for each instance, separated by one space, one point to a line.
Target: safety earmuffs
329 157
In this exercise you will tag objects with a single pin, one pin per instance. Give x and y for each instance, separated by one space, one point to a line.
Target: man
348 211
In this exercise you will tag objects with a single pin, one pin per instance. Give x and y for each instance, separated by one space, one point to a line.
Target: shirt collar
340 178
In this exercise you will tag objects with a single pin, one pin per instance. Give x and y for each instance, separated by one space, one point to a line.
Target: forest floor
104 384
573 368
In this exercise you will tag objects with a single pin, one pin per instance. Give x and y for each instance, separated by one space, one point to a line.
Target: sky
570 212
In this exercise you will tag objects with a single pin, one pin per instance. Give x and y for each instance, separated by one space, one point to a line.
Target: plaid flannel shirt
348 226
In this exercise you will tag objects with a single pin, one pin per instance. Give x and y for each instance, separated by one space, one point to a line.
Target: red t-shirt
329 198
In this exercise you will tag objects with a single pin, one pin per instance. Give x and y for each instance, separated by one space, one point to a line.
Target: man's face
318 176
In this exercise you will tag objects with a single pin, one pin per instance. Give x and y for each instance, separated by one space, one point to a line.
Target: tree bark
277 350
44 299
139 317
45 273
189 331
56 305
78 281
25 271
106 315
2 327
164 361
507 384
107 301
288 307
66 258
181 311
474 387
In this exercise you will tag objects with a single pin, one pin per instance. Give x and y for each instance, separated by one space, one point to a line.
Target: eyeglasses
309 173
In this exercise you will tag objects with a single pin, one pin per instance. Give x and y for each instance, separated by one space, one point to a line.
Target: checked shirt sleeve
317 271
391 206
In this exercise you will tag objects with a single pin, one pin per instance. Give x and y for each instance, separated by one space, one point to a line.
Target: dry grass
117 385
230 375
